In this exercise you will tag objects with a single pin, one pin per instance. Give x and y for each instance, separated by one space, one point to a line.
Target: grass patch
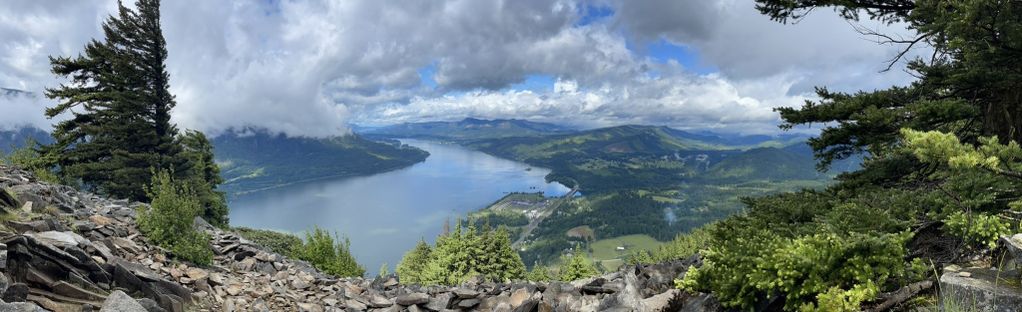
606 250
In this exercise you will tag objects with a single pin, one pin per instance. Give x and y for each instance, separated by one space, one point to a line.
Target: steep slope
260 160
467 129
88 253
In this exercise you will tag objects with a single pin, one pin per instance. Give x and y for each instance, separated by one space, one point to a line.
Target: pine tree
576 266
118 98
409 270
462 254
204 174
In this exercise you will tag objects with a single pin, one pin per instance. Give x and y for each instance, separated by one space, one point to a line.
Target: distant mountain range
14 139
467 129
651 157
14 92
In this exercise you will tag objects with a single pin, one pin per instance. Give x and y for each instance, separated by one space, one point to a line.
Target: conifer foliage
117 103
576 266
464 253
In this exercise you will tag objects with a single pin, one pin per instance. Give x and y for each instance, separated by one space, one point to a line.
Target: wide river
386 214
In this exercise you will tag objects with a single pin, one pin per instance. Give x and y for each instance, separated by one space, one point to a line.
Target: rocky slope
65 250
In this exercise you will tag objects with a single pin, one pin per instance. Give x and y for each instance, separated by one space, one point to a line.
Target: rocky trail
65 250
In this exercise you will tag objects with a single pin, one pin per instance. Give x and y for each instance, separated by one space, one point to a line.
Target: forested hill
652 157
13 139
259 160
467 129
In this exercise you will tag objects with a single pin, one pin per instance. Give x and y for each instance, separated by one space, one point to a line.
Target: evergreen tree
970 86
120 105
205 175
409 270
576 266
464 253
539 274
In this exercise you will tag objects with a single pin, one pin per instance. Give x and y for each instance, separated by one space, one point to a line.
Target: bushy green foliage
409 270
28 158
576 266
168 221
802 269
286 244
539 274
204 174
462 254
330 254
983 229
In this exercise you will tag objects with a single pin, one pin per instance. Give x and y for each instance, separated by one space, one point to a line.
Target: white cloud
675 98
310 67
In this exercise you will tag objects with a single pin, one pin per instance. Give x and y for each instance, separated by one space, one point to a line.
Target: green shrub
29 159
978 228
168 221
815 271
285 244
330 254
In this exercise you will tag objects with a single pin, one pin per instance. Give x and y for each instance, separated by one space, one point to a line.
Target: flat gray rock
118 301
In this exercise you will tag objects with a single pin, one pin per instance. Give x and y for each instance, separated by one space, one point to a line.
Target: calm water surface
386 214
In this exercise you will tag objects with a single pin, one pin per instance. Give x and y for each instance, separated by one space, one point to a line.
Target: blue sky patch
663 51
591 14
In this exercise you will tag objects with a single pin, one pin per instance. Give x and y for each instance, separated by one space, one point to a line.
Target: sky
316 67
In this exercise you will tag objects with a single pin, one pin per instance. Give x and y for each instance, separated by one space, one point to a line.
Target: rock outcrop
64 250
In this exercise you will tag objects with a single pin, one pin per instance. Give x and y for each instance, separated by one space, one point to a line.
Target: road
542 215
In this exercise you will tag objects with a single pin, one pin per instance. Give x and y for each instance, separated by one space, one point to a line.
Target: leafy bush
283 243
168 221
810 271
330 254
980 228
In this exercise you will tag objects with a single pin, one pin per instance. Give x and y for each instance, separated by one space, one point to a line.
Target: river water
386 214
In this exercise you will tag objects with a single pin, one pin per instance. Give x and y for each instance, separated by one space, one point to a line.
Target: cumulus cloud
312 67
675 98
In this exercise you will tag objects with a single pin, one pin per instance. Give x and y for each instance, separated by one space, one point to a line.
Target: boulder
7 200
994 290
118 301
412 299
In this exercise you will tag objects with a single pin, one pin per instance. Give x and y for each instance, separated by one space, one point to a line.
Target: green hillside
262 160
765 163
607 159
